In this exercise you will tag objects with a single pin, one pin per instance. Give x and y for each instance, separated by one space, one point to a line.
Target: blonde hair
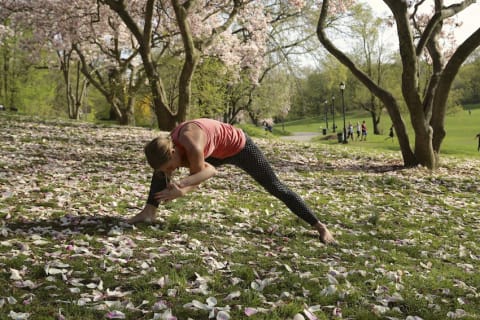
159 151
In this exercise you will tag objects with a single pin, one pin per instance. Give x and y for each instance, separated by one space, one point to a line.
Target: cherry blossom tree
419 36
193 28
115 69
82 37
289 35
75 89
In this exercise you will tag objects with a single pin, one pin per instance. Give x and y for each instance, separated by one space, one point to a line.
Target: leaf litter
408 237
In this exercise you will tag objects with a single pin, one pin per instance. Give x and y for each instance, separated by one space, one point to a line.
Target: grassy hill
408 239
462 127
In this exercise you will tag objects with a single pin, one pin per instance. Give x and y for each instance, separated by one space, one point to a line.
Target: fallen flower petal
19 315
115 315
250 311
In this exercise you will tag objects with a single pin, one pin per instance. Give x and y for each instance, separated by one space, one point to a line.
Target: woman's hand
206 173
172 191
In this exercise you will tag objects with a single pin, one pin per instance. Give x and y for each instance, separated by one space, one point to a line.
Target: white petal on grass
54 271
195 304
250 311
116 293
378 309
211 301
309 314
223 315
162 282
40 242
160 305
233 295
15 274
337 312
18 315
298 316
11 300
331 279
317 308
26 284
115 315
167 315
83 301
330 290
74 290
458 314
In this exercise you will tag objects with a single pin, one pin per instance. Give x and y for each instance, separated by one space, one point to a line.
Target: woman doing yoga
203 144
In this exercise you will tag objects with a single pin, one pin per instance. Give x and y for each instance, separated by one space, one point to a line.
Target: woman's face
172 164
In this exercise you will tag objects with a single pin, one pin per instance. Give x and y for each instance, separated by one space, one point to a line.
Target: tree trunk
386 97
192 57
427 106
6 71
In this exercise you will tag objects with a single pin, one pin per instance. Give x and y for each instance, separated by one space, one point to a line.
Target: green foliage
467 80
272 98
209 85
144 115
38 92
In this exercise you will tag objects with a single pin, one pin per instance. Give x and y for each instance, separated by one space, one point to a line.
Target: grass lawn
408 238
461 127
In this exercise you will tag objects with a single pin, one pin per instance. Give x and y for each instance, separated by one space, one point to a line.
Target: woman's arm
179 189
197 178
193 140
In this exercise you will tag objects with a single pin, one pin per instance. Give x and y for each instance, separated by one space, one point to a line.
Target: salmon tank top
223 139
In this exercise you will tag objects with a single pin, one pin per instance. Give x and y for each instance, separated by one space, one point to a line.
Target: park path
301 136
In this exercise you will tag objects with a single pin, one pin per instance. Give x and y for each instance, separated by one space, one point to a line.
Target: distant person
203 144
359 130
267 126
364 131
350 131
391 134
2 107
478 137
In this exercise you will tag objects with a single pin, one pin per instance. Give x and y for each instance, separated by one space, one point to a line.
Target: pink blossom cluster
244 45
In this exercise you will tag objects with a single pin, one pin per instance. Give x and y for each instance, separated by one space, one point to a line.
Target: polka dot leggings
252 161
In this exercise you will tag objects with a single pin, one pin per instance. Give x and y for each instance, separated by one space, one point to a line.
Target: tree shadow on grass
378 167
101 225
66 225
72 226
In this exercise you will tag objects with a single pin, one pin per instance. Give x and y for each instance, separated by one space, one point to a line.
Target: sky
469 17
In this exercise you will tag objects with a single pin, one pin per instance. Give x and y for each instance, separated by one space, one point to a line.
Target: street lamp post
326 114
342 89
333 114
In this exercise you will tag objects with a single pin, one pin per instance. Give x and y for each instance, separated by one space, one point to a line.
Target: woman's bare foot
146 215
325 235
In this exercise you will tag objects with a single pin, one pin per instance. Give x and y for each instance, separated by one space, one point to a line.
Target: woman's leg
158 183
252 161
